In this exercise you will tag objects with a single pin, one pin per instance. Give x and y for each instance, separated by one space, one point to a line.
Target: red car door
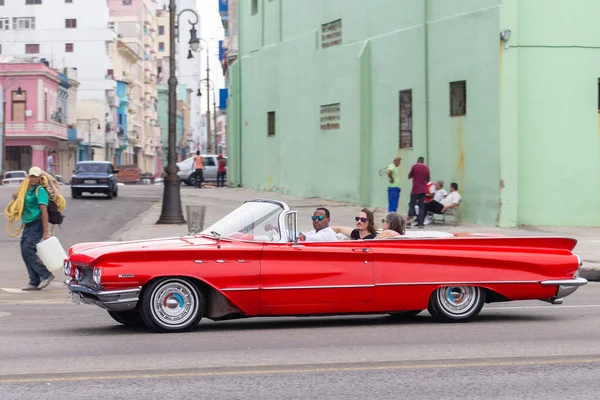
316 278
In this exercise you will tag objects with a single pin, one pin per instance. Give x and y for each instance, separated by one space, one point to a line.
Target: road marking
9 290
4 314
242 372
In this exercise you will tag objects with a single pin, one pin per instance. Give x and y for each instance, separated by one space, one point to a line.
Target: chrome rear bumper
565 287
112 300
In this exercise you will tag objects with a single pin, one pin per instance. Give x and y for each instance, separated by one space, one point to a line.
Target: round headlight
78 274
67 268
97 275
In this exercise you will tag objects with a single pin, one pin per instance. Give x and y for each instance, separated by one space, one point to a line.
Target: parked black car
94 177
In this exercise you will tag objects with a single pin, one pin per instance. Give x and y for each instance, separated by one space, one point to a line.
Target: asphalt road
522 350
92 218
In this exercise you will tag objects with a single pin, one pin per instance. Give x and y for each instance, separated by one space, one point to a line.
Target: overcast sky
211 30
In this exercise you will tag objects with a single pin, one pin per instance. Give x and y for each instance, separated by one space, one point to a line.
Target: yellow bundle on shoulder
14 209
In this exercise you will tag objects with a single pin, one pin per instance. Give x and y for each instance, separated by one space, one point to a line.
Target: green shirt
394 170
31 209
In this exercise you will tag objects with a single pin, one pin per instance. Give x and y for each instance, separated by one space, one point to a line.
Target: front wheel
126 317
172 305
456 303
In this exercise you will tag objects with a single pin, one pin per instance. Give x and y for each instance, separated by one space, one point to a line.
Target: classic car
94 177
14 177
250 263
186 169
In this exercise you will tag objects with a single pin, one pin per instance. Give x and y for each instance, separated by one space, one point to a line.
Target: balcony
38 129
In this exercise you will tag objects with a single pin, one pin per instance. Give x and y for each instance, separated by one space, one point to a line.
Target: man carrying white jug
30 204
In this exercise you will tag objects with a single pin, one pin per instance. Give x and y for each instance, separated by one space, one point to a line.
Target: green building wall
518 142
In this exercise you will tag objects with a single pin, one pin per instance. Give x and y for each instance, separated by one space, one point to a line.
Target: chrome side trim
239 289
198 261
566 282
317 287
454 283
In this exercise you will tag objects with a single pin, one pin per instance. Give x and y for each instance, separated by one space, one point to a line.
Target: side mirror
116 171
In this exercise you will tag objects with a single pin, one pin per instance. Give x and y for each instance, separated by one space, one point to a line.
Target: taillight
102 180
6 182
77 180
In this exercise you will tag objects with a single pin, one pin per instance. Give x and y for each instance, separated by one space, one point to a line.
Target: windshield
16 174
257 221
97 168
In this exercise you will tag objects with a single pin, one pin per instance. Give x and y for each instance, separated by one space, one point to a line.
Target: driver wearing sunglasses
321 232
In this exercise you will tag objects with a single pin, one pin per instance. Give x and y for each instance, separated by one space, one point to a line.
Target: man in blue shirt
35 221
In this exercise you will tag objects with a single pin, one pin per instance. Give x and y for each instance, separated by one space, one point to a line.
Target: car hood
88 252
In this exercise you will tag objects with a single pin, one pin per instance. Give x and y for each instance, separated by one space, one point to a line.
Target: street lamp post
208 130
15 82
171 212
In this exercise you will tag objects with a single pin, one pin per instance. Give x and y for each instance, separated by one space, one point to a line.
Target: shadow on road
312 323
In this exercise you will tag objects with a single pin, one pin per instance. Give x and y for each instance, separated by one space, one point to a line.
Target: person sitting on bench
450 201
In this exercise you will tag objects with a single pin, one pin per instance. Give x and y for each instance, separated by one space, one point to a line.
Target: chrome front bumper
565 287
112 300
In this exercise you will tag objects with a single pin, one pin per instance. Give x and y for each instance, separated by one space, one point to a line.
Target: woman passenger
393 226
365 226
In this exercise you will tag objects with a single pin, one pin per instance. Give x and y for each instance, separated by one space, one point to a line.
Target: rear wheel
456 303
75 194
109 194
172 305
126 317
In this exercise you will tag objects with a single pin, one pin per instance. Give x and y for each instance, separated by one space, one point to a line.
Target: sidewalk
219 202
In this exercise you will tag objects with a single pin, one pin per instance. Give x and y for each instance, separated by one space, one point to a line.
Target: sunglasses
320 218
383 221
361 219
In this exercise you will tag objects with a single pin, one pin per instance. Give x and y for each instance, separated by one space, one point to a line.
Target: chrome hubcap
174 303
458 300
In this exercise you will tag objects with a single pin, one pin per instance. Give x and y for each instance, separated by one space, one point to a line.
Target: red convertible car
236 268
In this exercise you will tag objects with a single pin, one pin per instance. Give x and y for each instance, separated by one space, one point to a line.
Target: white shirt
439 195
50 164
452 198
324 235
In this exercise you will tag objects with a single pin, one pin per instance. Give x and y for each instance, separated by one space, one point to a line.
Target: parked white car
186 167
14 177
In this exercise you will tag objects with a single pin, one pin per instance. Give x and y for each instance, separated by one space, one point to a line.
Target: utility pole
208 131
215 118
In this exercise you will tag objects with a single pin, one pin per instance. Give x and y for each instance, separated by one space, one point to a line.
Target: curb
592 275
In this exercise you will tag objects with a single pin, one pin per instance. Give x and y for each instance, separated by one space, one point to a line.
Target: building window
70 23
33 2
458 98
271 123
254 7
4 24
68 1
161 46
161 30
330 117
32 49
127 2
24 23
68 47
0 49
1 2
331 34
406 123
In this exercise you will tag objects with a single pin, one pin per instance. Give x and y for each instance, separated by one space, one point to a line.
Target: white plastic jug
51 253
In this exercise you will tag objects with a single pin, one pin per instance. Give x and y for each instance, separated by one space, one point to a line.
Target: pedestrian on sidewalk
221 171
393 185
419 173
30 204
199 172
